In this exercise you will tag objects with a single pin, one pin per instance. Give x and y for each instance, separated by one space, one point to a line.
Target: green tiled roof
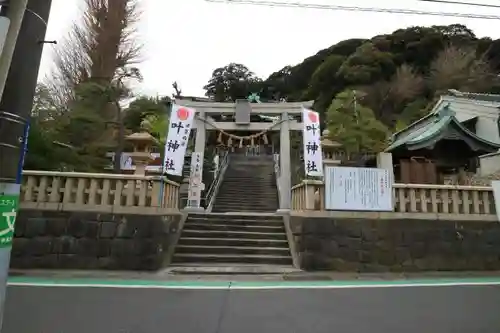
437 127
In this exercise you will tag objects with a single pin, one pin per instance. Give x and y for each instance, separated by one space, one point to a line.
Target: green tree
368 64
354 125
156 109
372 65
46 147
324 78
232 82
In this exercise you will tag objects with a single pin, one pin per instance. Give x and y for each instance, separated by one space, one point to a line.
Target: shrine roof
439 126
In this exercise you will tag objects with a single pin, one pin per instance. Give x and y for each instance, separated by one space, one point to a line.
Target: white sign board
366 189
496 195
313 157
195 180
181 121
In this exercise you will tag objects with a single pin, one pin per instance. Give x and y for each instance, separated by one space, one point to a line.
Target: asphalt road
443 309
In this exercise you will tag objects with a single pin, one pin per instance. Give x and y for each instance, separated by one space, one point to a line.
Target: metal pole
19 65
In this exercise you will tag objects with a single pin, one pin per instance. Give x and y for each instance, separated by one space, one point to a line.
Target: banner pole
162 181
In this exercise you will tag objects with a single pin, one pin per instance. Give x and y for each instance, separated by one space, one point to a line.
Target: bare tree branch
406 84
462 69
101 47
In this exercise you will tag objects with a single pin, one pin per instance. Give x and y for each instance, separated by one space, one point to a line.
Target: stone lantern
331 149
143 144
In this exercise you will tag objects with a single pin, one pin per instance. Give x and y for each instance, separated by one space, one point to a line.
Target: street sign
9 205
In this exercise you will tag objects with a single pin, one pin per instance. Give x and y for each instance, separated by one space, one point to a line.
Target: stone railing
97 192
410 198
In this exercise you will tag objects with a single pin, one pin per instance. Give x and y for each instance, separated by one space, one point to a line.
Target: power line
474 4
354 8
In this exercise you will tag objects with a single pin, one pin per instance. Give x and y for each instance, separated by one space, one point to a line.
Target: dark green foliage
370 66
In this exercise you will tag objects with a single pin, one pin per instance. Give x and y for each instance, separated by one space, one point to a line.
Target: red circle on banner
313 117
183 114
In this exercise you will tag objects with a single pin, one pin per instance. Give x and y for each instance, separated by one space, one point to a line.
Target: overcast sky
185 40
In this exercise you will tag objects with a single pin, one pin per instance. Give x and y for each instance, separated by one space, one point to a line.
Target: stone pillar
200 133
384 161
285 180
199 147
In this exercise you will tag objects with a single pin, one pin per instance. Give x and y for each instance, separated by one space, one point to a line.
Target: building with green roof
449 140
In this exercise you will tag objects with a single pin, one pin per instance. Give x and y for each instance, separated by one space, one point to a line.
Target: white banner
181 121
367 189
313 157
496 196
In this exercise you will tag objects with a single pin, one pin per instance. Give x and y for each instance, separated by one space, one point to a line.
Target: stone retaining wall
404 245
81 240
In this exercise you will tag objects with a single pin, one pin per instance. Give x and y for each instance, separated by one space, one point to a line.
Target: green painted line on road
372 283
200 284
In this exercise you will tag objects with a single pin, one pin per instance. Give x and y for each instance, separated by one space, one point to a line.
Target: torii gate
204 122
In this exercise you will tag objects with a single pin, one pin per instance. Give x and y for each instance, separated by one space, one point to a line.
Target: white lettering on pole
181 121
195 181
313 156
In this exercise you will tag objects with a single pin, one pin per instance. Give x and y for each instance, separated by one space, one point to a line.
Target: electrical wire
473 4
355 8
2 4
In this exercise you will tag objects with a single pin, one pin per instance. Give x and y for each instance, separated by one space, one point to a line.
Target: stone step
244 189
246 193
247 198
243 193
187 232
236 205
250 172
243 210
234 227
248 178
232 258
248 203
233 242
247 169
238 217
251 169
214 249
232 269
221 220
249 185
248 181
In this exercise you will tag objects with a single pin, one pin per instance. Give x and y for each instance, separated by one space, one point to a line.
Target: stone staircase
233 239
249 185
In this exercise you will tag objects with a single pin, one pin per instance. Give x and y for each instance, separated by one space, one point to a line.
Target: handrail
214 187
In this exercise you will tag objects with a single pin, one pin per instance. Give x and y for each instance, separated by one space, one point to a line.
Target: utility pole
15 13
19 65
